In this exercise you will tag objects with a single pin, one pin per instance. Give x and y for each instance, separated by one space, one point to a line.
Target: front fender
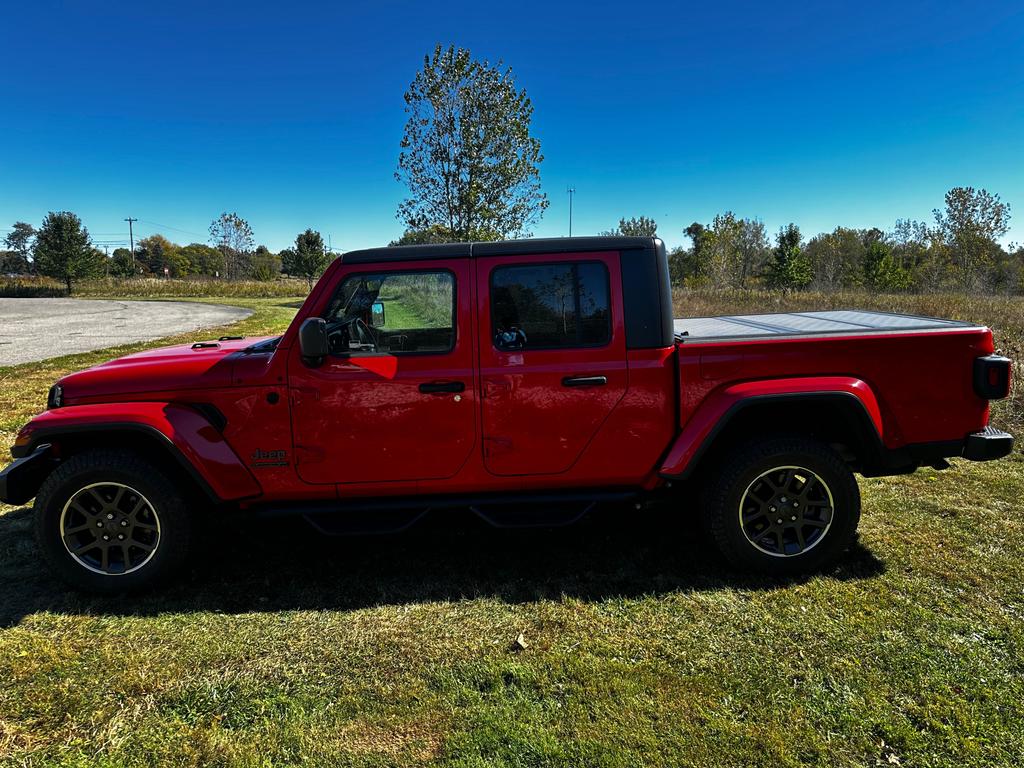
715 411
187 434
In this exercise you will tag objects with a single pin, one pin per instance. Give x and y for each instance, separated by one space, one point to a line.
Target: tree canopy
467 157
308 259
64 251
233 236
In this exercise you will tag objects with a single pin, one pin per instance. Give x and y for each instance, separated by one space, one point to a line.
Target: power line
167 226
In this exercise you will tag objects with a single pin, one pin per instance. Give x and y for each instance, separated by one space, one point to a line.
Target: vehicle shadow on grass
265 566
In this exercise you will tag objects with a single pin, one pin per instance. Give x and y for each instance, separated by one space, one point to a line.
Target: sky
821 113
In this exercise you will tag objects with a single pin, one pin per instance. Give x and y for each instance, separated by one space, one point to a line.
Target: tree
309 259
13 263
122 264
63 249
970 225
233 237
693 264
19 240
726 253
789 267
158 253
265 265
837 258
640 226
203 259
467 156
882 270
432 234
753 247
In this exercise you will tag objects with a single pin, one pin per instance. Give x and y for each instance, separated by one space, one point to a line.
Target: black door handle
584 381
437 387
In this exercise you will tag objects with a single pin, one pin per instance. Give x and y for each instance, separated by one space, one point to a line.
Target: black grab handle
435 387
584 381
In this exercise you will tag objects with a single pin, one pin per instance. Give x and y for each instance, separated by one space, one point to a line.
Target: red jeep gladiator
526 380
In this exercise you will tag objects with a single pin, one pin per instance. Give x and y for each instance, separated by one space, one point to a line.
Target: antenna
572 192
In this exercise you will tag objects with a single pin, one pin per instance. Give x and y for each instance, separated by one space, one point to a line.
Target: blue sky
827 113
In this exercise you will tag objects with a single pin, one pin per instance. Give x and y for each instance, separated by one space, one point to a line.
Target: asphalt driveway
36 329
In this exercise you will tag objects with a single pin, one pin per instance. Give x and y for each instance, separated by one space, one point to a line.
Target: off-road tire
725 490
123 468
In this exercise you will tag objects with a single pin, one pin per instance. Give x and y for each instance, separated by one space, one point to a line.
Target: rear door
552 357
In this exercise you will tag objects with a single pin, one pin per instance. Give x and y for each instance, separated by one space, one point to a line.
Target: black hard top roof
500 248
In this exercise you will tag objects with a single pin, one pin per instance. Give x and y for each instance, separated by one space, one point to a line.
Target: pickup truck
526 380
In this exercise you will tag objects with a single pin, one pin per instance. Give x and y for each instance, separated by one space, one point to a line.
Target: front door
552 357
394 401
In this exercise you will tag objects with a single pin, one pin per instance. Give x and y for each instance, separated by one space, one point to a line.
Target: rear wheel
109 521
782 505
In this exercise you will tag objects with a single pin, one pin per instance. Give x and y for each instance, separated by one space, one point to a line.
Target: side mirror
313 340
377 314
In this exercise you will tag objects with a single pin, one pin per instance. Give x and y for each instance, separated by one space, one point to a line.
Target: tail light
992 377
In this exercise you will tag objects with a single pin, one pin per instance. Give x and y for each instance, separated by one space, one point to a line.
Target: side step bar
395 514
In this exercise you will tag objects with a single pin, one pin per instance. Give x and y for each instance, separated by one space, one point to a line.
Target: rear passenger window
550 306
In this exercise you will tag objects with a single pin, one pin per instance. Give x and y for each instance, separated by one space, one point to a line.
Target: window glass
393 312
550 306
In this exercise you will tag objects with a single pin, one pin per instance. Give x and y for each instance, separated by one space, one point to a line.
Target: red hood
182 367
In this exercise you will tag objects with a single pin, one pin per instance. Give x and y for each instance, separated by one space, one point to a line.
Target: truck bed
809 324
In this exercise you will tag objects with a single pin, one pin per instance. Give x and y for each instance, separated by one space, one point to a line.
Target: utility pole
131 239
571 191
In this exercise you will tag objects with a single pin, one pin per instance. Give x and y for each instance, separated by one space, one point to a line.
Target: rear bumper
988 444
20 480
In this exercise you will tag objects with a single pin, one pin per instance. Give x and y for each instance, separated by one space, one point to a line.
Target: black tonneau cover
828 323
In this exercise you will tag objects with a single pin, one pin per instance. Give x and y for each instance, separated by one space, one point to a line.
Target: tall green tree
309 258
467 156
64 251
19 240
789 268
970 224
233 237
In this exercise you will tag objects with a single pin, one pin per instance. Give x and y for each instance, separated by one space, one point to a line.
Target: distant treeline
62 249
958 251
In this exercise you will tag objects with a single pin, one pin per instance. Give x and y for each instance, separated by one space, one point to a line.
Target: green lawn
641 648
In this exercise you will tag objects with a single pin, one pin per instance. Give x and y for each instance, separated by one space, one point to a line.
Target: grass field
641 648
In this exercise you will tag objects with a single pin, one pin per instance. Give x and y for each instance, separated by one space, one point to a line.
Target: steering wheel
351 335
364 336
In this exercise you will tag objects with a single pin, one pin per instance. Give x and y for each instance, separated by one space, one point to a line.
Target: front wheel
782 505
109 522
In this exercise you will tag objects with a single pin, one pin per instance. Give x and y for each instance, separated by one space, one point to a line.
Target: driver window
393 313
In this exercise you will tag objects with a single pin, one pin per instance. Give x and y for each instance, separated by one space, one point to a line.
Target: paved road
35 329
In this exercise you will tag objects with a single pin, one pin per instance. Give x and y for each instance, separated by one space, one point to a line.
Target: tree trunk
67 281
